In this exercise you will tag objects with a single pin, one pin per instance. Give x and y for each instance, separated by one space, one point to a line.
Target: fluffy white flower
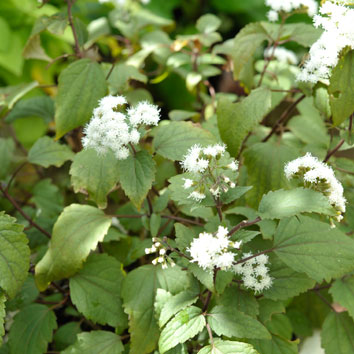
187 183
318 173
233 166
290 5
337 21
281 54
197 196
193 160
144 113
272 16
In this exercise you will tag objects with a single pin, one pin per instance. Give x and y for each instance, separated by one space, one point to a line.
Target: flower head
144 113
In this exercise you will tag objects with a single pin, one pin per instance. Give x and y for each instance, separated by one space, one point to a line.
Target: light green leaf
95 290
208 23
277 345
2 315
9 95
7 149
55 24
341 89
236 120
76 232
337 333
265 168
14 255
80 86
146 280
33 49
185 325
155 222
40 106
205 277
312 247
174 139
32 330
233 323
286 282
184 236
302 33
94 342
178 115
228 347
281 204
94 175
342 291
46 152
175 304
136 174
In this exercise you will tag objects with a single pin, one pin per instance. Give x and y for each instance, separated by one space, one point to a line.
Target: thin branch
243 224
151 210
18 169
110 71
19 209
172 249
71 23
129 216
334 150
324 300
207 301
254 256
283 117
210 334
177 218
344 171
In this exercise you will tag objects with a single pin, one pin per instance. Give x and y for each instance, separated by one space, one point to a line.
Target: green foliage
342 293
15 255
81 85
77 231
7 148
34 324
228 347
2 316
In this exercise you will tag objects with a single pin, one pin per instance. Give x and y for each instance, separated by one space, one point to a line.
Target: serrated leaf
94 174
286 282
136 174
94 342
146 280
14 255
337 333
342 291
80 86
228 347
232 323
34 324
176 303
77 231
174 139
40 106
185 325
265 168
204 276
236 120
341 89
95 290
281 204
184 236
312 247
277 345
46 152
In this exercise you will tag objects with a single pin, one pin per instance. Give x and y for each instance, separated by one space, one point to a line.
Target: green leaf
155 222
312 247
14 255
277 345
208 23
55 24
9 95
95 175
33 49
146 280
233 323
7 149
46 152
2 315
302 33
66 335
265 167
178 115
228 347
136 174
95 290
34 325
184 236
185 325
337 333
204 276
234 193
174 139
40 106
281 204
80 86
286 282
76 232
341 89
176 303
342 291
94 342
236 120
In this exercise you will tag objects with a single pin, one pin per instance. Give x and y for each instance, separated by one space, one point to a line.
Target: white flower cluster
289 6
320 176
109 129
337 21
198 160
281 54
211 251
162 257
254 272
